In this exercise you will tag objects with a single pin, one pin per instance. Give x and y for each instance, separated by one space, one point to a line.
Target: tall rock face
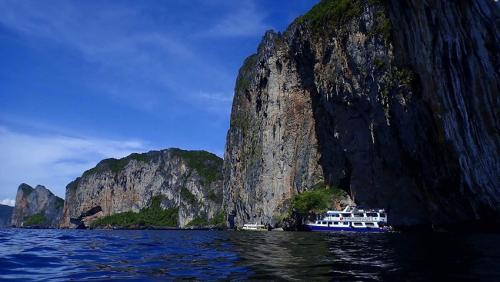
190 181
396 102
5 215
37 207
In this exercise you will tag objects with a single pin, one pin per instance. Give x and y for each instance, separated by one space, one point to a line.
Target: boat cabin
352 218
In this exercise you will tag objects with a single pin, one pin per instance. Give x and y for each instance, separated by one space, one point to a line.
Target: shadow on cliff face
392 154
448 44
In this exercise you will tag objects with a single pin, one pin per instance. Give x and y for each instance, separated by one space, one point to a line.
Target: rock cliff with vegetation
6 215
393 102
37 208
168 188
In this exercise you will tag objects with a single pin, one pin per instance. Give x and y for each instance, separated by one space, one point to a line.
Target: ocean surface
62 255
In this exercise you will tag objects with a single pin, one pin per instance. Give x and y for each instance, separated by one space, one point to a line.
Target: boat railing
357 219
365 219
354 209
352 217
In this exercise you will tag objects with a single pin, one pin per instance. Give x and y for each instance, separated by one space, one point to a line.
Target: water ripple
62 255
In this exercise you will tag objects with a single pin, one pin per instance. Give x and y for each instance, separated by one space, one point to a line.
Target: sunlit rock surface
188 180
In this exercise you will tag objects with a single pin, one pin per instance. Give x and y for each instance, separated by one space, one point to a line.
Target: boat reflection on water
304 256
368 256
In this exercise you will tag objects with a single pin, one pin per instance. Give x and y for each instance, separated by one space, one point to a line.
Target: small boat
254 227
352 219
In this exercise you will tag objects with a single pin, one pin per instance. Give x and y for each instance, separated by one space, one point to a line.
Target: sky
81 81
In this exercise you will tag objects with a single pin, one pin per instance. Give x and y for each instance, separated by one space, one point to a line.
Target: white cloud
136 62
217 103
53 160
8 202
216 97
246 20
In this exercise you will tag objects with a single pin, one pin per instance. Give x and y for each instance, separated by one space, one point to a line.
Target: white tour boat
254 227
352 219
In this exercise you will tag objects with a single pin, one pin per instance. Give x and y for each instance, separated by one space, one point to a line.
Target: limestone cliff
5 215
37 207
187 183
396 102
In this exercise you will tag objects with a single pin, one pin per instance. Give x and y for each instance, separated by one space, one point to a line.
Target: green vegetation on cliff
245 75
329 13
38 219
198 221
153 215
187 196
317 200
218 219
117 165
202 221
382 26
208 165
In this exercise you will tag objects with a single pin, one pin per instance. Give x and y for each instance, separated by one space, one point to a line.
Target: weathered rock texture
394 101
6 215
37 207
188 180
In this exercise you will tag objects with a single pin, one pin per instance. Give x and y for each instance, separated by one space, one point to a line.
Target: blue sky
85 80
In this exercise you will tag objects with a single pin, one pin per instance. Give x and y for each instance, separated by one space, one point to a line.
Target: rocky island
167 188
395 103
37 208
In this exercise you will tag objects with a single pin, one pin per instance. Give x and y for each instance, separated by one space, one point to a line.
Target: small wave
65 237
205 255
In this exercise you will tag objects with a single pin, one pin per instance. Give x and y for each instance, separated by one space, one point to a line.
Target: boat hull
343 229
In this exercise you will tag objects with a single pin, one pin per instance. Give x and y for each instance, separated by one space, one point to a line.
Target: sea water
62 255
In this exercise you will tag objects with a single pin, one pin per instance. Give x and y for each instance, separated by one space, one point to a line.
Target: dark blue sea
65 255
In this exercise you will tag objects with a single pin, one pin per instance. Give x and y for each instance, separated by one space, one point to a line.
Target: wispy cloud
245 20
216 102
8 202
94 30
137 61
53 160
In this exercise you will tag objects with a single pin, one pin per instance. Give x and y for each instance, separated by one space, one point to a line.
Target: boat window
358 215
345 223
358 224
372 214
369 224
346 215
382 215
